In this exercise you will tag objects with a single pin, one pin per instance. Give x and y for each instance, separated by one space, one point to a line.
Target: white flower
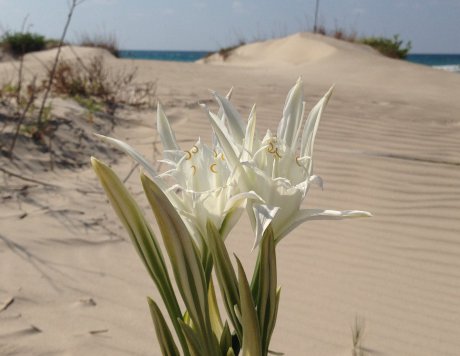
199 183
278 168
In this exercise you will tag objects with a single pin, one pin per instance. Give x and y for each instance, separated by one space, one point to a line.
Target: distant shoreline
177 56
449 62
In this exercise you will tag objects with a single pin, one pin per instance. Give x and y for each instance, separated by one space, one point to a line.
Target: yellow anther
189 155
212 167
271 148
277 153
194 149
193 170
297 161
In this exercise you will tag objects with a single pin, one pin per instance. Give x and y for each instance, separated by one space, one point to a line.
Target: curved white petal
166 133
131 152
264 215
228 148
316 180
250 136
311 125
240 198
234 121
319 214
292 115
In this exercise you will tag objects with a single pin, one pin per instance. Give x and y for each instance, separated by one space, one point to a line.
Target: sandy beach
388 143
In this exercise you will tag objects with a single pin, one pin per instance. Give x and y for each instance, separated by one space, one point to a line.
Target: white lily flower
199 183
279 168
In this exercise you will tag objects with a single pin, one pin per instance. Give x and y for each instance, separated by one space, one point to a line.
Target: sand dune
299 48
388 143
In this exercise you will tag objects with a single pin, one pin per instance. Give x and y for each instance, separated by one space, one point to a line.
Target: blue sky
433 26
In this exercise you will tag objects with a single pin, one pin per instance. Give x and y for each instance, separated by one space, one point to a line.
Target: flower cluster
196 203
270 175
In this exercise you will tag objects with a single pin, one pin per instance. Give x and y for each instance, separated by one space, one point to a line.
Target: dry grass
107 41
95 83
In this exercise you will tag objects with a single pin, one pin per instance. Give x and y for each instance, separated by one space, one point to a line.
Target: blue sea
449 62
177 56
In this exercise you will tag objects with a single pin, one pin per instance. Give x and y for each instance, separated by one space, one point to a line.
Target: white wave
449 68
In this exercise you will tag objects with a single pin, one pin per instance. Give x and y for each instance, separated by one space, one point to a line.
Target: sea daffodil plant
197 202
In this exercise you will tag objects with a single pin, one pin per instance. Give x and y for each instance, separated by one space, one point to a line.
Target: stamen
194 149
194 170
189 155
212 167
297 161
277 153
271 148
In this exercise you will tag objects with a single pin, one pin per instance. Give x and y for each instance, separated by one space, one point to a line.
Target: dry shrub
341 34
107 41
95 80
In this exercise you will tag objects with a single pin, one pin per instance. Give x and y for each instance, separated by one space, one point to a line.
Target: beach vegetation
94 82
26 105
226 51
107 41
391 47
198 201
357 335
20 43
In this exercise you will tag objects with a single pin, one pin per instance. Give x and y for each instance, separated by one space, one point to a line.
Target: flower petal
230 151
234 121
264 215
250 136
292 115
311 126
319 214
131 152
166 133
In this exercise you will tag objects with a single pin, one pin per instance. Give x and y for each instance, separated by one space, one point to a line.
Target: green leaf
193 341
214 313
225 342
225 273
251 333
186 319
272 323
142 237
185 261
266 298
167 345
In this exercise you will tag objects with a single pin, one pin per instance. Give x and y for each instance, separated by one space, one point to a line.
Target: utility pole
315 27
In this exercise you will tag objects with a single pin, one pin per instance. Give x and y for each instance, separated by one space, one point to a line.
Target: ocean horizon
447 62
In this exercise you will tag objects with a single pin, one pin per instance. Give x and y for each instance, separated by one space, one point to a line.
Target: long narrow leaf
193 341
225 341
272 323
185 261
214 313
251 333
266 302
167 344
226 276
143 239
